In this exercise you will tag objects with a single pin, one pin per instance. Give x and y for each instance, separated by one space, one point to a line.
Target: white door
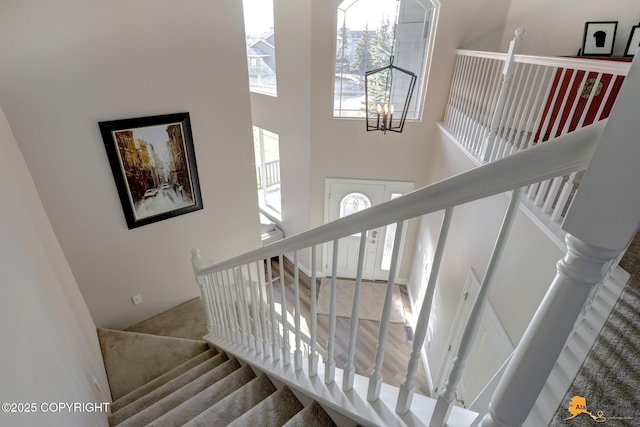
345 197
490 350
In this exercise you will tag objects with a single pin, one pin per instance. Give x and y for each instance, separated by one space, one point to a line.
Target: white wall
50 349
68 65
557 27
525 272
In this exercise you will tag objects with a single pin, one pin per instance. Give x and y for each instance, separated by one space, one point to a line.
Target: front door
345 197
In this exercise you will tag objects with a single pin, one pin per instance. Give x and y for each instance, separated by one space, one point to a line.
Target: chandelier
382 97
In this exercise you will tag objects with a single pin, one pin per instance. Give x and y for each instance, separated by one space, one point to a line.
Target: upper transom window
261 45
369 33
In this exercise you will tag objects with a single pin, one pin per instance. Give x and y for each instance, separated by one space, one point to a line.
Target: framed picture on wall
599 37
154 167
634 41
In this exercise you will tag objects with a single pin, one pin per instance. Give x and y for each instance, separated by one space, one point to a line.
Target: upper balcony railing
503 103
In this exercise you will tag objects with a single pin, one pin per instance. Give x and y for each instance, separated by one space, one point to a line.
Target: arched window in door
352 203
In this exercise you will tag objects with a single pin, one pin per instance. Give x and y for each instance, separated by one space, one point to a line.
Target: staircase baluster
257 345
447 397
476 75
544 90
453 92
520 112
313 355
246 318
507 115
286 349
375 380
587 107
222 302
556 184
219 304
234 310
563 199
207 296
297 355
350 368
461 101
264 328
405 396
542 192
574 102
330 363
275 354
514 48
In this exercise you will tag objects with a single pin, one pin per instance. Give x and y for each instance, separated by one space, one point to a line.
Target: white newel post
509 67
603 218
196 261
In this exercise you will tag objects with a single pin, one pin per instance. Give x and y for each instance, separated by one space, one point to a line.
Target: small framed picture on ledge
599 37
634 41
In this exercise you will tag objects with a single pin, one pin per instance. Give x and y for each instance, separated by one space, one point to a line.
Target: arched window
352 203
369 31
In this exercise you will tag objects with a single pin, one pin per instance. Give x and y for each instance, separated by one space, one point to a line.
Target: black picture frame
599 38
634 41
154 166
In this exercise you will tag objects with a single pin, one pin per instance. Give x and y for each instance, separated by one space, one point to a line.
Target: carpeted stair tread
162 380
237 403
181 395
274 411
133 359
186 320
311 416
217 393
166 389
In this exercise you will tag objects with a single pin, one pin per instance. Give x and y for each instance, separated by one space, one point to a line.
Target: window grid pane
365 41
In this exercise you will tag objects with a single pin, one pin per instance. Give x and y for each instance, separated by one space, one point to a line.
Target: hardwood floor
397 348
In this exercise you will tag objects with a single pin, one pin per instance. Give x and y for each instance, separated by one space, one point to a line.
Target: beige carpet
133 359
184 321
372 296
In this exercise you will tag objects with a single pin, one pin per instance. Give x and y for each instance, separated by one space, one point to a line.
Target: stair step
162 380
186 320
311 416
274 411
199 403
133 359
181 395
166 389
237 403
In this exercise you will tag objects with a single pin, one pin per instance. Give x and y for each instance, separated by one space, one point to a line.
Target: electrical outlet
137 299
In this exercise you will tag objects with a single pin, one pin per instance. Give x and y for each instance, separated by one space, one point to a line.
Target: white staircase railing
503 103
229 317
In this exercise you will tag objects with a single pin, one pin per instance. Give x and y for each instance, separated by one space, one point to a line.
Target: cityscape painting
154 167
